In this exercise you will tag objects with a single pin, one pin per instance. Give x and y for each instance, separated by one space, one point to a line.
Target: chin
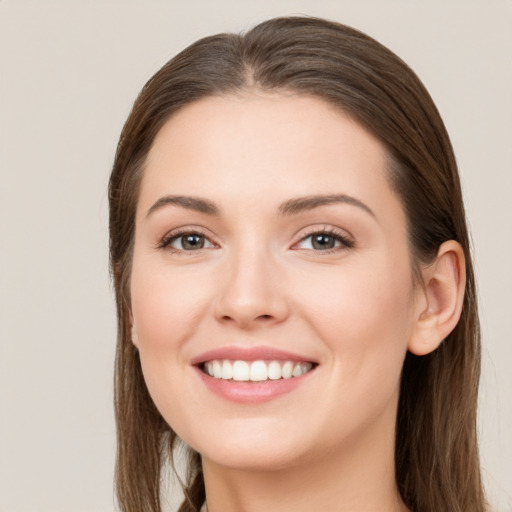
260 448
253 459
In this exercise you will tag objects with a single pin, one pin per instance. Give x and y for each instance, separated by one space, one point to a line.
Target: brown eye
189 242
324 241
321 241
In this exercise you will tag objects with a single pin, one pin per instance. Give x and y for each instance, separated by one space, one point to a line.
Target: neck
360 476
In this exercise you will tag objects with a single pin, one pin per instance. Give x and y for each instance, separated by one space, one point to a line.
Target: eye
324 241
186 241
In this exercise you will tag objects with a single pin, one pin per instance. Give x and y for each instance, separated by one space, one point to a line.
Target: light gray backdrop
69 73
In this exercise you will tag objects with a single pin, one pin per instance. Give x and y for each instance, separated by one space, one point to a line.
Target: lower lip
251 392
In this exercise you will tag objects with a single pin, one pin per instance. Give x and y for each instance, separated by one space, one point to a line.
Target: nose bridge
250 292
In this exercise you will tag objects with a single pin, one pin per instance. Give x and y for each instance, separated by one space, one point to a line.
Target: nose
250 293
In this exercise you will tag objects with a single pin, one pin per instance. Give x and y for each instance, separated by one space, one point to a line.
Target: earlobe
442 299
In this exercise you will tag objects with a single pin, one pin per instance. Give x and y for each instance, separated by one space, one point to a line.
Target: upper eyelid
344 237
176 233
329 229
345 242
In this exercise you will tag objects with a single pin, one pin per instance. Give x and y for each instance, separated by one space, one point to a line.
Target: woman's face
266 230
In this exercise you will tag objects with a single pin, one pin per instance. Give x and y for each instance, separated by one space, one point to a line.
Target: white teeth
240 371
258 371
300 369
306 367
287 370
297 370
227 370
217 370
255 371
274 370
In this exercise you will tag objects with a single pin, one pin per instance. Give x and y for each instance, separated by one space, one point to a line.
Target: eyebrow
301 204
290 207
191 203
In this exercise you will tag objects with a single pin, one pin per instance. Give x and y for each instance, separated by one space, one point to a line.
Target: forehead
264 146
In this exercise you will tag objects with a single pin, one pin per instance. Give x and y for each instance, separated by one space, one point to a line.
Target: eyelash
174 235
345 242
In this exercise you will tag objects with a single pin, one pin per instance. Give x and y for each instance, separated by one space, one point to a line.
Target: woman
295 294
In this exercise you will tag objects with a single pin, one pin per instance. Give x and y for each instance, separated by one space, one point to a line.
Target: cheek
166 309
166 306
360 298
364 316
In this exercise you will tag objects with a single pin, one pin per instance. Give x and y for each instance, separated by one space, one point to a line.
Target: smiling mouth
255 371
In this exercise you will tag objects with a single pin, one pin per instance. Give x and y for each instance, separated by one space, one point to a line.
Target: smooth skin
255 274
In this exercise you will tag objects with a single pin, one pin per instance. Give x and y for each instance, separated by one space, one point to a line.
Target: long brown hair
436 454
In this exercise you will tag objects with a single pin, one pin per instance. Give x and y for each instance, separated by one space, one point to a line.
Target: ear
440 303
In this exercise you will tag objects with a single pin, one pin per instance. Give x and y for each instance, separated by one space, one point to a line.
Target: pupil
323 242
193 242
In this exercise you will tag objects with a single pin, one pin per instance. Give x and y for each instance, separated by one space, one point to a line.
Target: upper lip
235 353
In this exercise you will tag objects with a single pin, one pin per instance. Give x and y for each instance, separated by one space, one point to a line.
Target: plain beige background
69 73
